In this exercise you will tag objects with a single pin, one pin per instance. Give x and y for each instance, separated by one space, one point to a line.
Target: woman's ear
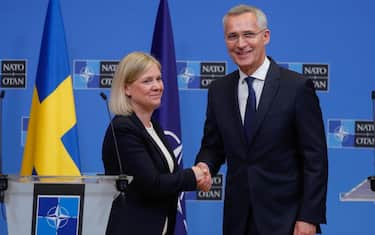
127 90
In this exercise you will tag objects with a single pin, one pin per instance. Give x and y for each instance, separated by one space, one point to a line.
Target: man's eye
249 35
232 37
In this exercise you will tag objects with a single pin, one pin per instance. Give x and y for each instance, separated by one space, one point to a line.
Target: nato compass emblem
341 133
57 215
176 145
188 74
86 74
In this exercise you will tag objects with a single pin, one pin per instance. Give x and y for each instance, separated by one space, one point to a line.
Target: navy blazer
152 195
280 175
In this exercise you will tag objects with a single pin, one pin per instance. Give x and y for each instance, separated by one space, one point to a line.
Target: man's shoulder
226 80
286 73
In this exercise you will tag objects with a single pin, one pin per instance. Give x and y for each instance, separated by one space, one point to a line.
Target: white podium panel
98 193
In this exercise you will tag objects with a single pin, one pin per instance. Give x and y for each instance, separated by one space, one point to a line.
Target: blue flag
169 112
52 144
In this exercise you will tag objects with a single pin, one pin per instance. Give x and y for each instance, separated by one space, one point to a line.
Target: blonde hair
241 9
130 68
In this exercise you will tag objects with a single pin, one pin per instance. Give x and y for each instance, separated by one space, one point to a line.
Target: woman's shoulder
127 122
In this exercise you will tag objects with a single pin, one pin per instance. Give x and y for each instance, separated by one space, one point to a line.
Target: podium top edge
62 179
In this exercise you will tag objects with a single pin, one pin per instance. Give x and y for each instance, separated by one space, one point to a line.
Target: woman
150 204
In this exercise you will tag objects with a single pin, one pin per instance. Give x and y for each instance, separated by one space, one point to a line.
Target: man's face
246 41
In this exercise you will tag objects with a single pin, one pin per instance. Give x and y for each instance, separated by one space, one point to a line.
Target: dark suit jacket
152 195
280 175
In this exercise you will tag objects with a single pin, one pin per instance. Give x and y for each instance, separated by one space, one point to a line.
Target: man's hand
204 183
303 228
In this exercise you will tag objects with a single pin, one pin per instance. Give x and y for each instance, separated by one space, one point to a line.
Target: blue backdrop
332 33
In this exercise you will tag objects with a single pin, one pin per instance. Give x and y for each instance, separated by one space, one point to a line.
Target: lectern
364 191
59 205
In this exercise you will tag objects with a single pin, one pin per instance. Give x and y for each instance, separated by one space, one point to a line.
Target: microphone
3 178
3 186
2 94
372 178
122 181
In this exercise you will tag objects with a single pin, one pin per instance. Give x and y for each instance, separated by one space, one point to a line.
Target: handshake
203 176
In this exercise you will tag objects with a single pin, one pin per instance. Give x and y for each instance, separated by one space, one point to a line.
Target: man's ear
267 36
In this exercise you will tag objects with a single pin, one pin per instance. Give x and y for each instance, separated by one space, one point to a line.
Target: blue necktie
250 108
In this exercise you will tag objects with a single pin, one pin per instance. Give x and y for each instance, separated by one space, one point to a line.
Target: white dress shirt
258 83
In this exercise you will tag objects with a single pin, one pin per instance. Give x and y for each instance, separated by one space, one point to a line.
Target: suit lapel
139 124
271 86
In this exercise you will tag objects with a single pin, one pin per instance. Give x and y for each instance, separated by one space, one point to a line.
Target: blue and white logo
188 74
86 74
176 145
93 74
57 215
198 74
343 133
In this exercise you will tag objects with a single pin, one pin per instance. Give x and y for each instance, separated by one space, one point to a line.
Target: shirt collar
260 73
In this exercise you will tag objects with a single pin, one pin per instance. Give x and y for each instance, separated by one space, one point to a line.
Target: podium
61 205
363 192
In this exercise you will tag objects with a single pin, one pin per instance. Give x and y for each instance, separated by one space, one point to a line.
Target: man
269 130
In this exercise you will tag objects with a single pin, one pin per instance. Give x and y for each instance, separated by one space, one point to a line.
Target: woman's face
146 91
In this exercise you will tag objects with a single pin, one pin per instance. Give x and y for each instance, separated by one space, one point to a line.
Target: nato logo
344 133
198 74
13 74
176 145
58 215
188 74
318 73
93 74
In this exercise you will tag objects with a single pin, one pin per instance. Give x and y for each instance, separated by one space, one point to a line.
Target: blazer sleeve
137 159
212 146
313 148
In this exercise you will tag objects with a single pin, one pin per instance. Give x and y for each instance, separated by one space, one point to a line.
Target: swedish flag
52 144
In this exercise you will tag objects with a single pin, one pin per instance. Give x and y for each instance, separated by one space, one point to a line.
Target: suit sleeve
148 179
212 147
312 146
